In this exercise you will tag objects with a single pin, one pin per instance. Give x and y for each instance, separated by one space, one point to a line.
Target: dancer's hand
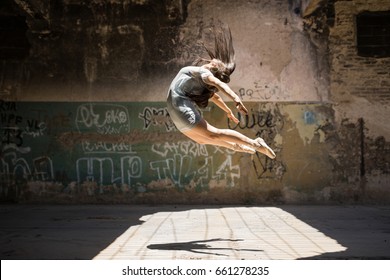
241 108
232 117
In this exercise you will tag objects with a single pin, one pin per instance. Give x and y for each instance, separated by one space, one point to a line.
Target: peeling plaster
307 129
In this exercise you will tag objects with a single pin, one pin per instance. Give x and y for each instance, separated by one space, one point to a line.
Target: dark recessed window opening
373 34
13 43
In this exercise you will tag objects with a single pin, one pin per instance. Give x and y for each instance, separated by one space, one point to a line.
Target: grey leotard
187 85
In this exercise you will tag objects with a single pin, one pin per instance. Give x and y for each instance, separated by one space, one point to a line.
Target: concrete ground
194 232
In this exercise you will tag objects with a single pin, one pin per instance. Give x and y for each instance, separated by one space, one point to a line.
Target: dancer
197 84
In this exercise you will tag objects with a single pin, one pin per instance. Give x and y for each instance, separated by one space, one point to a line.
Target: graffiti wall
132 152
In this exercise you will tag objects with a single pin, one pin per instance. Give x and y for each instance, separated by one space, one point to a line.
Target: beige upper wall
275 59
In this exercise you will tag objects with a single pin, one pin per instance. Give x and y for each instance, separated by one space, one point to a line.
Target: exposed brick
347 65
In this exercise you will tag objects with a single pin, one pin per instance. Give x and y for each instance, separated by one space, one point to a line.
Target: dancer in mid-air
197 84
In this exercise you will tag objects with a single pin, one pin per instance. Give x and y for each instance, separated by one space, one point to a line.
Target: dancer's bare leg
202 139
204 133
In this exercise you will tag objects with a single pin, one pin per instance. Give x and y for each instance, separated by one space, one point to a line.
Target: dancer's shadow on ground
198 246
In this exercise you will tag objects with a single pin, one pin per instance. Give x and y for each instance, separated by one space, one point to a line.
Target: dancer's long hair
223 58
223 53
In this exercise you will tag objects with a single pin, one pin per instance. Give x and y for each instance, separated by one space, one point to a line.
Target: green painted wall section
116 152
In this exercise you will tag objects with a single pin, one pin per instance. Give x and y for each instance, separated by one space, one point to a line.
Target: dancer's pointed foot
265 149
244 149
248 150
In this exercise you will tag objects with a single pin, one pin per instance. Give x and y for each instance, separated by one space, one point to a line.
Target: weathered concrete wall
83 116
131 49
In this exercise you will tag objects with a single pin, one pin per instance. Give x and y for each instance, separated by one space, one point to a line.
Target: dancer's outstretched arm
224 88
217 100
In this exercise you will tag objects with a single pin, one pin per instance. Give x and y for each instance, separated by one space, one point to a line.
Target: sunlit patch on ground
221 233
